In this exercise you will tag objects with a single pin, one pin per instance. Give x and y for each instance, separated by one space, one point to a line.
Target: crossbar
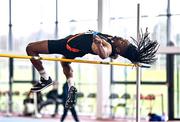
71 60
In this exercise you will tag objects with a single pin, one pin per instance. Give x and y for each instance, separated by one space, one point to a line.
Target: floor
57 119
82 119
23 119
20 118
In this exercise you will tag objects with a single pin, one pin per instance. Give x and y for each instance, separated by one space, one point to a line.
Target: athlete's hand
97 40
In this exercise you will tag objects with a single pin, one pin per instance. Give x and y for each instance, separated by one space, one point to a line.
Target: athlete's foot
71 99
42 84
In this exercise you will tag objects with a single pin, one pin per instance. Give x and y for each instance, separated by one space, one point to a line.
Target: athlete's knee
29 48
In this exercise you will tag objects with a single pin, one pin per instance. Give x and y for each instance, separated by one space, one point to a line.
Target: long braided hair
144 50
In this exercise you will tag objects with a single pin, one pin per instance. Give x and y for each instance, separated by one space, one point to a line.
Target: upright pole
36 111
170 80
168 30
35 104
56 37
138 71
178 66
10 47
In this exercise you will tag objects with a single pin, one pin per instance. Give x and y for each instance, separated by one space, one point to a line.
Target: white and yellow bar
71 60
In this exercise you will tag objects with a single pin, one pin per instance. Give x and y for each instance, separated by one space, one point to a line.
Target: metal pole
36 113
168 31
110 88
170 80
56 37
178 66
10 62
138 71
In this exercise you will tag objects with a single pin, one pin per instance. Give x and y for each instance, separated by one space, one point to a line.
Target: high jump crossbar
71 60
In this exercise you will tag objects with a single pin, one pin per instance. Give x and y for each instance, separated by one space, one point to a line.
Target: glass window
22 70
174 5
125 25
74 19
4 70
127 28
4 15
76 27
157 70
121 8
123 74
79 10
177 86
175 30
37 23
128 8
157 105
20 93
156 27
153 7
4 29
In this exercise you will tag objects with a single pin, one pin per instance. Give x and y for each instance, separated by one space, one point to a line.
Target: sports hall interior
106 93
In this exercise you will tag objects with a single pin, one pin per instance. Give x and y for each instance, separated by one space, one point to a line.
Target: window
32 20
4 24
76 17
4 28
175 33
177 86
124 23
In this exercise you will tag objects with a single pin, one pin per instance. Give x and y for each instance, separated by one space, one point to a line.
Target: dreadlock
143 51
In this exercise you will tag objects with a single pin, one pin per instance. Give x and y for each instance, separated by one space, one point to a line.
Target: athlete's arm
101 47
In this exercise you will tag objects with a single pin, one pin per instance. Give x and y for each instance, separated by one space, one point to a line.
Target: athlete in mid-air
90 42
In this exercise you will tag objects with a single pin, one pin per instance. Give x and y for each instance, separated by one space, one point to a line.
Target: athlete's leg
34 49
68 72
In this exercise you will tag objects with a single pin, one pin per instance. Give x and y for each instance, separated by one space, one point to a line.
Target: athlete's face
120 45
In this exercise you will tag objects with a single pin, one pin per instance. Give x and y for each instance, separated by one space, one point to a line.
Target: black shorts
59 47
56 46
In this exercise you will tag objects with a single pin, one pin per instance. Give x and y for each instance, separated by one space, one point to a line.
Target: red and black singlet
72 46
76 45
81 42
